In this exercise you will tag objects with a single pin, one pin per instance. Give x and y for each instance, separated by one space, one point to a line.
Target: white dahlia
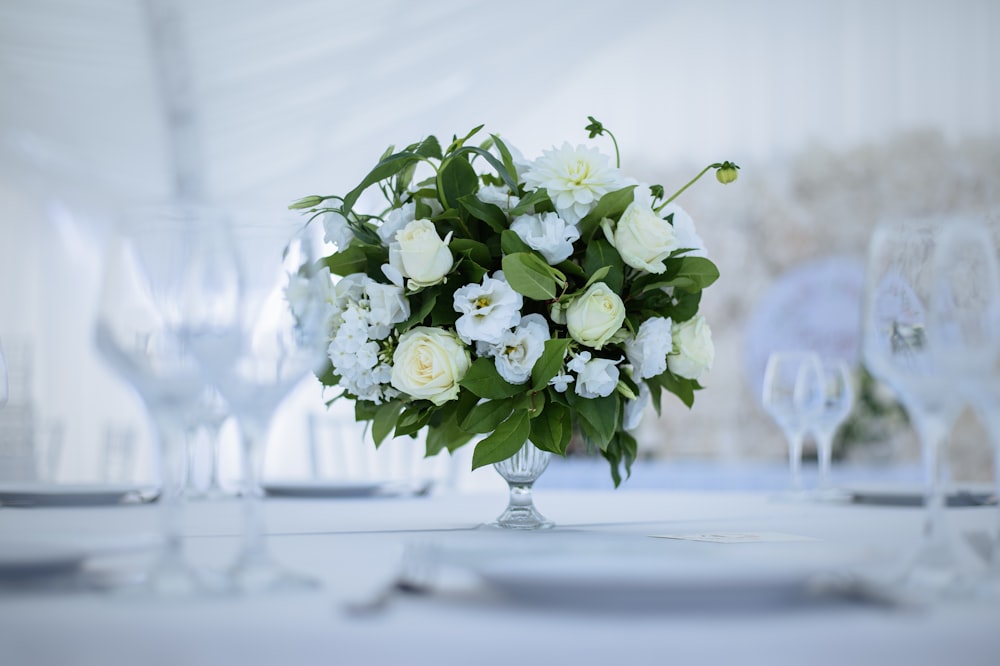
575 178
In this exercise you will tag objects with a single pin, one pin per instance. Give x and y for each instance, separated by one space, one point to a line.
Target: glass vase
520 471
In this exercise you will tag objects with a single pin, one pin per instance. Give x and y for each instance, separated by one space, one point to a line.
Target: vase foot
521 518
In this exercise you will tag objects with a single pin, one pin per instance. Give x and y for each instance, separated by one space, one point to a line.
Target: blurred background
840 113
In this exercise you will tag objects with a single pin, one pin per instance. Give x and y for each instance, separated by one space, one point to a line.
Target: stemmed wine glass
968 297
145 301
211 414
837 397
920 339
274 339
791 395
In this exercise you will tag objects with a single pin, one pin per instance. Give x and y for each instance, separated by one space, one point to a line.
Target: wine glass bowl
837 398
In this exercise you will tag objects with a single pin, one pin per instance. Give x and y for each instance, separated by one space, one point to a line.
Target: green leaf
507 158
364 410
511 243
599 274
421 305
601 254
552 430
550 362
494 162
413 419
456 179
386 168
457 143
446 435
346 262
679 386
603 415
536 198
474 250
484 381
655 390
505 441
489 213
386 416
429 148
698 270
612 205
486 416
529 275
570 268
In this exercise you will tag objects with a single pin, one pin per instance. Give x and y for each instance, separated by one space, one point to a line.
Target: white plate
66 494
28 559
632 574
913 496
331 488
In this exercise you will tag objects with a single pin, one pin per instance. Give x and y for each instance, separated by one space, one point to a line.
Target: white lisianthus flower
575 178
641 236
429 363
647 351
549 234
693 351
396 220
498 196
421 255
336 230
595 377
633 410
519 349
386 306
684 232
595 316
349 289
488 309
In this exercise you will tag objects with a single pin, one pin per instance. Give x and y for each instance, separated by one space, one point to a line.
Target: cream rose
693 351
595 316
429 363
642 238
420 254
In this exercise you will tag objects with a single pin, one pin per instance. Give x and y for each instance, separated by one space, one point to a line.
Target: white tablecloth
354 545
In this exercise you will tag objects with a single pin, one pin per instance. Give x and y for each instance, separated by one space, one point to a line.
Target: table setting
500 307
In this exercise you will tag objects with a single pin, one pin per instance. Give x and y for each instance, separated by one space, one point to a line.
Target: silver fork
418 569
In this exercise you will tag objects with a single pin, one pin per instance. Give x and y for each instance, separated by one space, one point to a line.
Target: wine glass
913 341
837 397
970 297
146 292
208 419
791 395
274 339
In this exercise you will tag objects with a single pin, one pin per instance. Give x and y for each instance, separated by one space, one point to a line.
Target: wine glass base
174 581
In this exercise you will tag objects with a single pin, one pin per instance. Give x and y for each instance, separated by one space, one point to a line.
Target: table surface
354 545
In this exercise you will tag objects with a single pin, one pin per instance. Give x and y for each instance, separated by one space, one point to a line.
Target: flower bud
306 202
727 173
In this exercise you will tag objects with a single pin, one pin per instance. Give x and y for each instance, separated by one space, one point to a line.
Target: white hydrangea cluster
365 312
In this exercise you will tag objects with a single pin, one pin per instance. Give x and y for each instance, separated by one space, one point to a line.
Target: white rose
595 316
519 349
641 236
548 233
386 306
429 363
420 254
684 232
647 351
693 351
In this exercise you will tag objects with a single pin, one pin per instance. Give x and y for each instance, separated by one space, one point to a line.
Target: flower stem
691 182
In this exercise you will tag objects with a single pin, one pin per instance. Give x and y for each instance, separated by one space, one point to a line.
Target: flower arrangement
513 300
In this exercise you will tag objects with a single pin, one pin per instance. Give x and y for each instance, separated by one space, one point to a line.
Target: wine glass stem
933 432
824 451
795 459
213 459
171 443
252 547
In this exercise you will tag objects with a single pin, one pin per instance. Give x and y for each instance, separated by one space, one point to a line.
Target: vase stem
521 471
